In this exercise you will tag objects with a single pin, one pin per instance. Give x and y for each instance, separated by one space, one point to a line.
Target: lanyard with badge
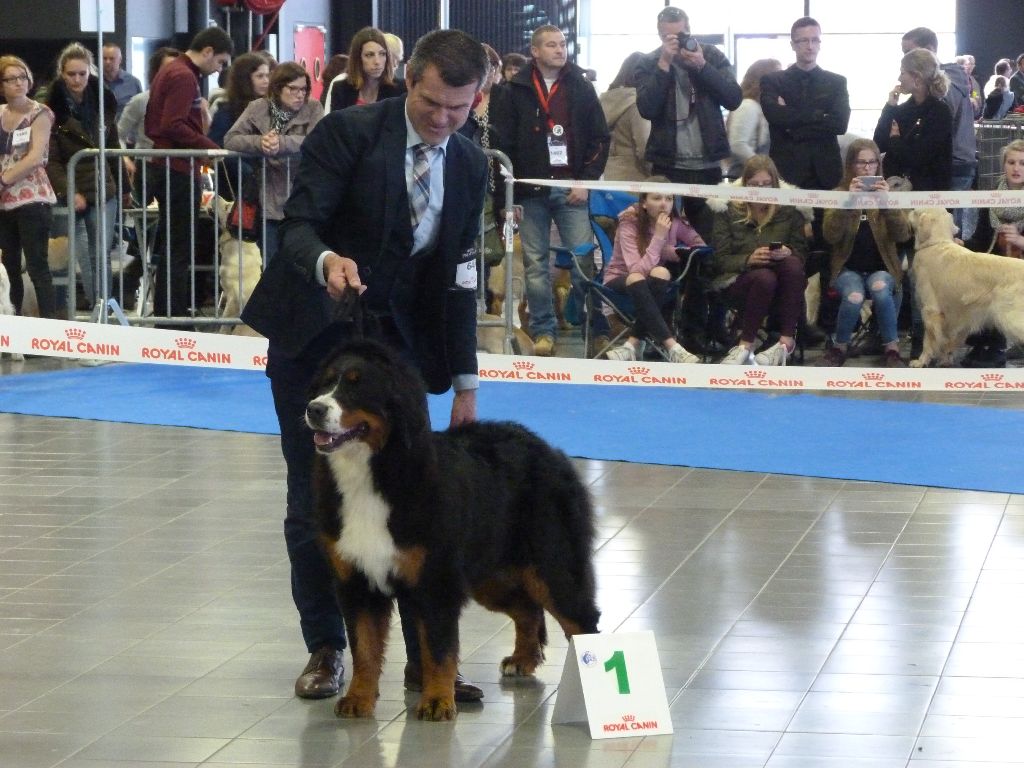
558 146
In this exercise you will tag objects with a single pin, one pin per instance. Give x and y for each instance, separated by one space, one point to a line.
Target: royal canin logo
992 377
75 334
873 376
639 370
523 365
629 718
183 342
755 373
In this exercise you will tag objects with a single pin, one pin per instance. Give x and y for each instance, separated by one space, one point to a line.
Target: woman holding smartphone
866 262
760 249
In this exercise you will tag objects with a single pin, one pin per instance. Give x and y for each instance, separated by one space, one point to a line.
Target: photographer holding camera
681 88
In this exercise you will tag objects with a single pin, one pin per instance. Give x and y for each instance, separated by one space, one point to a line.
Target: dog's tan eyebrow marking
351 376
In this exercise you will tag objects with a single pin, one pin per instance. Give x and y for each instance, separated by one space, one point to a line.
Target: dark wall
989 30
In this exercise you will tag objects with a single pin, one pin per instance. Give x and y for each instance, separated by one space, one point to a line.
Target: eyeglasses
865 163
297 89
807 41
15 79
671 15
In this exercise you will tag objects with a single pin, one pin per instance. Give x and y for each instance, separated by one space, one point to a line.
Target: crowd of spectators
677 111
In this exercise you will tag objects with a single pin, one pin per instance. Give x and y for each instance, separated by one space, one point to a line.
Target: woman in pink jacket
644 252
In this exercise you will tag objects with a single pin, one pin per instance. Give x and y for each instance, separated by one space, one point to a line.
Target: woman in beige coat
629 131
275 127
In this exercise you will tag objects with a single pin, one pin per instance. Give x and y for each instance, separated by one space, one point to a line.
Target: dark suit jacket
804 132
349 196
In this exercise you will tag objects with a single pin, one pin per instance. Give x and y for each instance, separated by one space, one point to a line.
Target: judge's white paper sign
614 684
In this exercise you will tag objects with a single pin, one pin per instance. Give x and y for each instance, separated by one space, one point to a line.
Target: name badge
21 136
465 275
558 152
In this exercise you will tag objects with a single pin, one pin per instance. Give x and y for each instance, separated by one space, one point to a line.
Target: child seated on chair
645 241
760 250
866 262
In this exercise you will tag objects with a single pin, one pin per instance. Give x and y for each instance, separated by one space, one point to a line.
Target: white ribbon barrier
813 198
116 343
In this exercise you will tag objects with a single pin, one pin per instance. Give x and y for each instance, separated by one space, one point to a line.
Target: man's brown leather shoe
322 676
465 691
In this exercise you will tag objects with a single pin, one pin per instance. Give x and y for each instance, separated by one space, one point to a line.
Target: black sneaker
834 357
984 357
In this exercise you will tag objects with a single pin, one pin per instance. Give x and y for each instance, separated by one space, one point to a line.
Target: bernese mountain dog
486 510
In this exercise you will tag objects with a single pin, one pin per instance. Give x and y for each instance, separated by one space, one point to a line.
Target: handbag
244 212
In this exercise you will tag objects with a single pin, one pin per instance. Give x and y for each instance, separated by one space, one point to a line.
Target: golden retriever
960 291
241 265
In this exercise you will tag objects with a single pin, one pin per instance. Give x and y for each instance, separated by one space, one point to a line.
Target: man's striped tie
419 194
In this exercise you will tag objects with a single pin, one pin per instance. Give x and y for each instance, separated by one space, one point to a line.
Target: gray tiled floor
145 619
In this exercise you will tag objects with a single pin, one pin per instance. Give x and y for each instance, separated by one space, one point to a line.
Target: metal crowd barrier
140 221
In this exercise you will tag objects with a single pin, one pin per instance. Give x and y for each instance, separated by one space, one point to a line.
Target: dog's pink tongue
321 438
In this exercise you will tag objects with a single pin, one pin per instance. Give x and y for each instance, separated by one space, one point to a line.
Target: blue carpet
799 434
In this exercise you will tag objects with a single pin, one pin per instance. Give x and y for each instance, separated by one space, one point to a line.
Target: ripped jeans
854 288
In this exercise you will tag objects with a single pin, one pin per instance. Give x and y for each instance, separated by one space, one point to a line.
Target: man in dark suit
807 108
349 226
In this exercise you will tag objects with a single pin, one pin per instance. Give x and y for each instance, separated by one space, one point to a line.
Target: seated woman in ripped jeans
865 257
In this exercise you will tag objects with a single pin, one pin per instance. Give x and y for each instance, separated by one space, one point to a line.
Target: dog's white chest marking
365 539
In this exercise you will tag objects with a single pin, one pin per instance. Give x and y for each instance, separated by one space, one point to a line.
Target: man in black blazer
348 226
807 109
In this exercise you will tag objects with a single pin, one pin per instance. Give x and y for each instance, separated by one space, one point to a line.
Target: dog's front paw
436 709
919 363
354 706
520 666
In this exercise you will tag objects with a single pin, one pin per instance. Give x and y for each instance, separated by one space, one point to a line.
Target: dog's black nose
315 411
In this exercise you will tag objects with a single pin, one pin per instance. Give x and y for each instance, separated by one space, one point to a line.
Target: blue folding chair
605 207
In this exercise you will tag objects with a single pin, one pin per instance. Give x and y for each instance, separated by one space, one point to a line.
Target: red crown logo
185 343
523 365
873 376
935 195
755 373
992 376
76 334
639 370
629 718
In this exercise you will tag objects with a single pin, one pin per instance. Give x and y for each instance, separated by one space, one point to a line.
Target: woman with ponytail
917 135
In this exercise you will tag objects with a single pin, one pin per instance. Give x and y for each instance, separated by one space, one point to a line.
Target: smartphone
868 182
774 245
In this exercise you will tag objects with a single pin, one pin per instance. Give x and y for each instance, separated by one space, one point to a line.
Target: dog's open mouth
326 442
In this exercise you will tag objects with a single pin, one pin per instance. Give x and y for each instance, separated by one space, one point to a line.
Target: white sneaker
738 355
679 354
625 353
777 354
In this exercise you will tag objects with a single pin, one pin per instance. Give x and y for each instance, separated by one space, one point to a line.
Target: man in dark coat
349 227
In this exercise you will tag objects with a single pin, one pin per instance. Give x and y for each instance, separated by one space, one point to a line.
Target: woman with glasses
275 127
26 196
917 135
866 263
369 76
76 97
760 249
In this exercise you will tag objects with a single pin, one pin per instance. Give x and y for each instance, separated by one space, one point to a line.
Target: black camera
688 43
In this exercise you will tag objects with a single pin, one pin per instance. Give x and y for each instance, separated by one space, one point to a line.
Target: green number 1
618 663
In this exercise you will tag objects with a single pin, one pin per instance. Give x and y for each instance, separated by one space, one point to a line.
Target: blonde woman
760 251
746 125
917 135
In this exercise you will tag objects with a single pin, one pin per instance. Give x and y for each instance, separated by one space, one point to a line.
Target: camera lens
687 43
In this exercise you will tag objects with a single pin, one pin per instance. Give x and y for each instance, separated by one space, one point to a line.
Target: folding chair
605 208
